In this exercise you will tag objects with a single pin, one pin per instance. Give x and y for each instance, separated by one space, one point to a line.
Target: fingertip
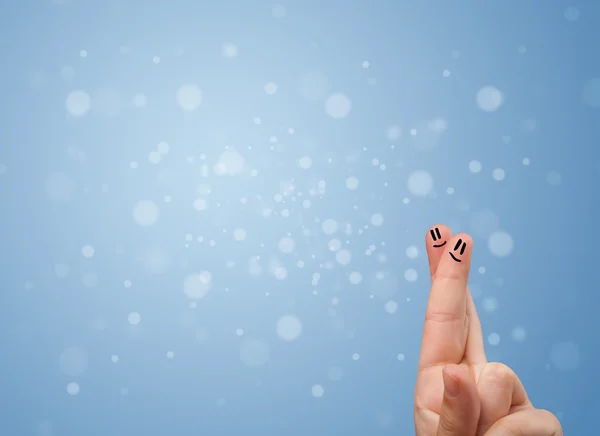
437 235
460 247
451 375
460 407
436 240
452 370
465 238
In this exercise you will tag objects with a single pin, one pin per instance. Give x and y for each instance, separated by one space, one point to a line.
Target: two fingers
453 334
451 328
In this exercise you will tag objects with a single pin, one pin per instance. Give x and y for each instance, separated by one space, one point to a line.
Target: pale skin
458 392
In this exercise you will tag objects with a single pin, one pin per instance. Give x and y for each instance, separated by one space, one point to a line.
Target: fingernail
451 386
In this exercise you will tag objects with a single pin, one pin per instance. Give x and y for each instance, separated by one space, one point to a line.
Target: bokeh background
213 212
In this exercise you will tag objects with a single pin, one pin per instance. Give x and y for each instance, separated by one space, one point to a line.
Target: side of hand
458 392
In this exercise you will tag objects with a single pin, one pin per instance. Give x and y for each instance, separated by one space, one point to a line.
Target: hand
458 393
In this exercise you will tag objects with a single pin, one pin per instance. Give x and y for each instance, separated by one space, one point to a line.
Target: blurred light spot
411 275
351 183
270 88
230 163
394 133
412 252
391 307
494 339
518 334
498 174
145 213
305 162
317 391
286 245
289 328
73 388
377 219
87 251
134 318
197 286
229 50
500 244
343 257
420 183
338 106
139 100
355 278
475 166
334 245
329 226
200 204
239 234
78 103
490 304
163 147
189 97
489 99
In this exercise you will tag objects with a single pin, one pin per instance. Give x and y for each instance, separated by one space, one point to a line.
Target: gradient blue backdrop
74 358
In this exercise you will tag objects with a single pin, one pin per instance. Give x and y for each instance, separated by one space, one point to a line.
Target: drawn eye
462 249
433 234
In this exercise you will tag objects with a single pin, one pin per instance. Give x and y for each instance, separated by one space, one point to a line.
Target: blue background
66 181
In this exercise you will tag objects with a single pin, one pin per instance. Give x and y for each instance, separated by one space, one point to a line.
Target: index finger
446 323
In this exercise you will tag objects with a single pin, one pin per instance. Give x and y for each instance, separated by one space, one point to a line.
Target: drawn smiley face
460 245
437 236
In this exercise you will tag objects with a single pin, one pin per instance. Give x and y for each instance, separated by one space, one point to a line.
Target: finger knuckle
449 425
497 374
442 317
551 418
447 277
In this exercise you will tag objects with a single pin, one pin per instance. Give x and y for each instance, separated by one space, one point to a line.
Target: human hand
458 392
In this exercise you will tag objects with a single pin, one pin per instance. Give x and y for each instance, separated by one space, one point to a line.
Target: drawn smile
462 249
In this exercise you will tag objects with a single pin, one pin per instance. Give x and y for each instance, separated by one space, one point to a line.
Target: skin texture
458 392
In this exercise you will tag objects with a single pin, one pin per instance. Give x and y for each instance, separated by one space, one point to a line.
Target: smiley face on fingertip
459 250
437 236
